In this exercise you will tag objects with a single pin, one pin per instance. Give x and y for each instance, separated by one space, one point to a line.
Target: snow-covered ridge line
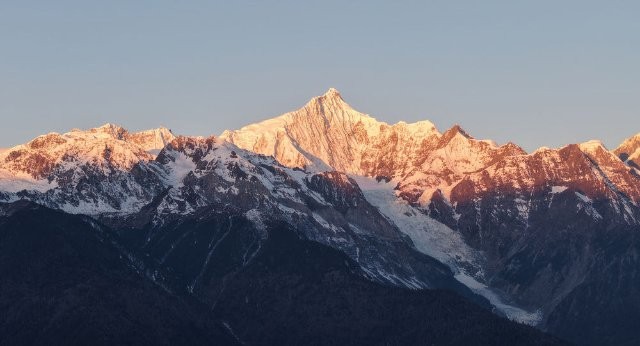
332 98
328 134
82 171
105 144
431 185
325 134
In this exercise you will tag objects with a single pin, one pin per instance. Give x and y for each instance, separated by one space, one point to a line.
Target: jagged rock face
539 246
596 174
613 171
453 157
523 197
544 221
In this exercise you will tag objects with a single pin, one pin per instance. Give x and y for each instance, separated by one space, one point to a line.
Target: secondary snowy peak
103 169
454 131
105 145
92 143
332 92
52 159
108 130
39 157
445 162
592 146
152 140
629 151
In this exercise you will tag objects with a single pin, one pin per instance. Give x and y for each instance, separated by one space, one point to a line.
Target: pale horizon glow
537 74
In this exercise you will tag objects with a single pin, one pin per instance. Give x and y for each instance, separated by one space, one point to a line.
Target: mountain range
404 231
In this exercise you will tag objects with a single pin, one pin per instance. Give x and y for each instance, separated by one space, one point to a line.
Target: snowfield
440 242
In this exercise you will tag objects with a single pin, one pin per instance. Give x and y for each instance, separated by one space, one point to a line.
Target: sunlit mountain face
322 225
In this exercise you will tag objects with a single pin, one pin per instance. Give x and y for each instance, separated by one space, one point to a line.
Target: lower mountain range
320 226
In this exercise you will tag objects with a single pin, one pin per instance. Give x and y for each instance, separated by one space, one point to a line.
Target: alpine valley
319 226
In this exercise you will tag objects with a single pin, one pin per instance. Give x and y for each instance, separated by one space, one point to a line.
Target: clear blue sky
533 72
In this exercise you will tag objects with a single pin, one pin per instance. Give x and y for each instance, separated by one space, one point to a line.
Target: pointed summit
451 133
629 150
592 146
109 129
458 129
331 93
330 101
629 146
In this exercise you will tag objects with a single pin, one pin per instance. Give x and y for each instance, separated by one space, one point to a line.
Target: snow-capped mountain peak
327 133
152 140
332 92
331 98
457 130
592 146
52 159
629 151
333 109
108 129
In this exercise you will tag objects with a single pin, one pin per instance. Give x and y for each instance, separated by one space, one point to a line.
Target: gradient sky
539 73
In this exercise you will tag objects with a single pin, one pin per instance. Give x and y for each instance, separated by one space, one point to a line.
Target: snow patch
324 223
428 235
558 189
591 146
255 216
16 182
583 198
180 168
510 311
